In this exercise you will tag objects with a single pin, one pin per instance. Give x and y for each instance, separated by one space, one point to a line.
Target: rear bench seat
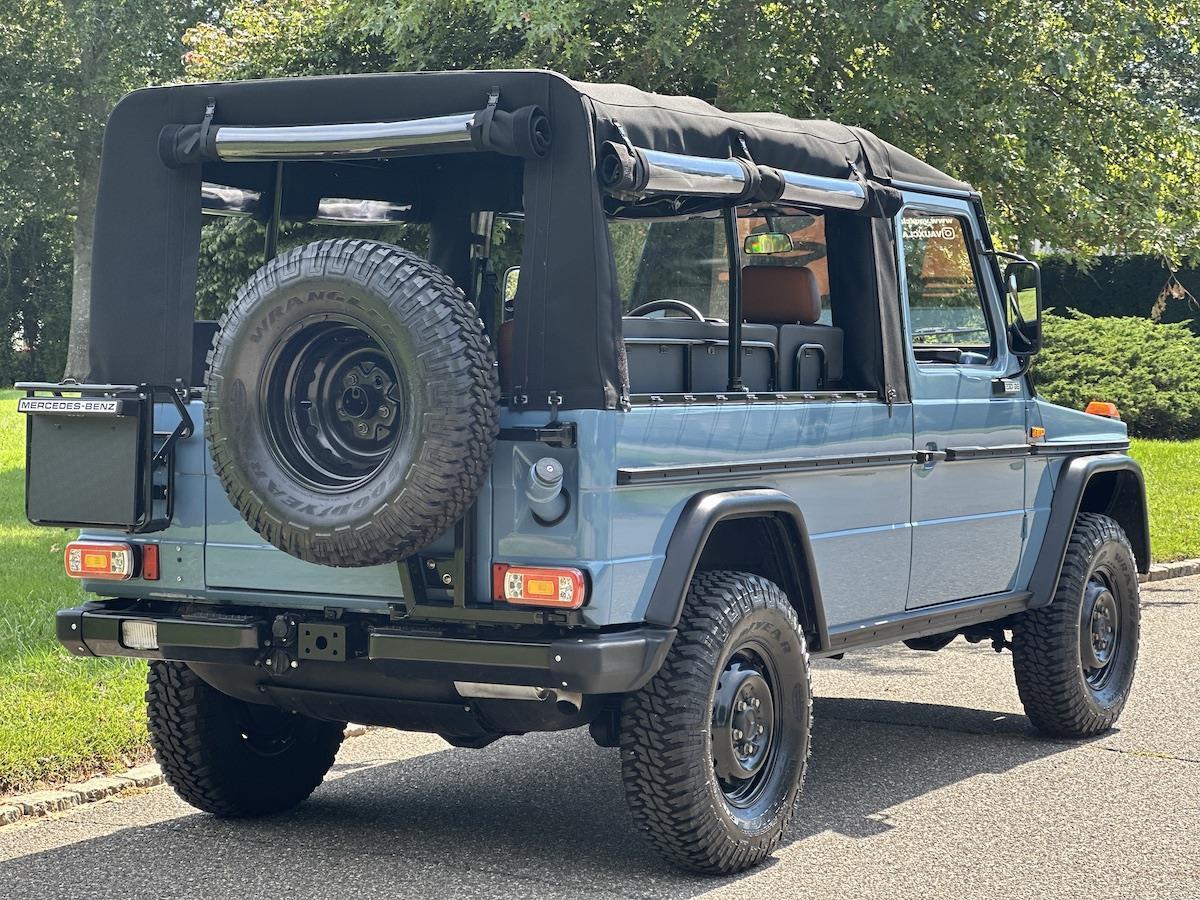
783 346
789 298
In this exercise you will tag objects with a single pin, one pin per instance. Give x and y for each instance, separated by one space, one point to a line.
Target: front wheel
232 758
1074 659
715 747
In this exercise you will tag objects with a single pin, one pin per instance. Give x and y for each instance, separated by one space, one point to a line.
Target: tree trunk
93 106
81 281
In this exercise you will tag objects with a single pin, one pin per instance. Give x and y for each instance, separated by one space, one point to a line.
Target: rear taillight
561 588
86 559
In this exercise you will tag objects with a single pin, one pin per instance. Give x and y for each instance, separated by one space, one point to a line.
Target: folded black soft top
813 146
149 211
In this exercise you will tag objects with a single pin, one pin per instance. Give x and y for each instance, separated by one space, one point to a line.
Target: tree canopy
1079 121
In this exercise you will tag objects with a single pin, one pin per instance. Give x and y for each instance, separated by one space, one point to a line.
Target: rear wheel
715 747
1074 659
229 757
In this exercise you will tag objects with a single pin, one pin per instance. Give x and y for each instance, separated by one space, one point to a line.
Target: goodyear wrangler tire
228 757
715 747
352 403
1074 659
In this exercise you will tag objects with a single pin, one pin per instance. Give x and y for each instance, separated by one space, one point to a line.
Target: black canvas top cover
566 345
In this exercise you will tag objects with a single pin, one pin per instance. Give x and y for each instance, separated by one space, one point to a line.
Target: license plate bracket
93 458
321 641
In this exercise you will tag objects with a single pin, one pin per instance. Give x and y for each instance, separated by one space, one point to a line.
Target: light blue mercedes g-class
667 402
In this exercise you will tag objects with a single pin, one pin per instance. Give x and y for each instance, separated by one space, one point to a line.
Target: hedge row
1117 286
1151 371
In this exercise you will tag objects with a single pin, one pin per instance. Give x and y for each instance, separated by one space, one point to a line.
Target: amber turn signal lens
95 560
1101 408
1037 433
535 586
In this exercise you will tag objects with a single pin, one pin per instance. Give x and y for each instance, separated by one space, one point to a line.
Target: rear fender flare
701 515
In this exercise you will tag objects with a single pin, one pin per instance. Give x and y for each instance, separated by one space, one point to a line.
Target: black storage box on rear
92 457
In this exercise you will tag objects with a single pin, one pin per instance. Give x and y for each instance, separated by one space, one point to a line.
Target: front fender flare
1127 504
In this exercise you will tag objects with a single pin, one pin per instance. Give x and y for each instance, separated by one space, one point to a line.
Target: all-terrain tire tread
460 432
188 720
1045 655
665 790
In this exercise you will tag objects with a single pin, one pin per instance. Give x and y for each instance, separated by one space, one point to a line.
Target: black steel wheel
1074 659
352 403
229 757
715 747
333 403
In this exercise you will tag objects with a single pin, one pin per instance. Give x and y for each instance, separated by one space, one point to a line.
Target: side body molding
1111 484
708 509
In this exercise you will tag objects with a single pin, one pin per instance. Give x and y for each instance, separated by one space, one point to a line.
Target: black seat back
678 355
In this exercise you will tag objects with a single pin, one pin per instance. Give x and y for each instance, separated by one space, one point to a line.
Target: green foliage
1151 371
1118 286
63 63
1068 116
231 250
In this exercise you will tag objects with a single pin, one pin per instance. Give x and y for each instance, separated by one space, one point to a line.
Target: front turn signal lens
85 559
1101 408
559 588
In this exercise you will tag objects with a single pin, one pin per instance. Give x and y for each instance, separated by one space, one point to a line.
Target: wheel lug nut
383 412
757 703
761 729
741 707
748 749
737 734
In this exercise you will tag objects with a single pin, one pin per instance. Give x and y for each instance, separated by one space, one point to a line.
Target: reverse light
1101 408
139 634
84 559
560 588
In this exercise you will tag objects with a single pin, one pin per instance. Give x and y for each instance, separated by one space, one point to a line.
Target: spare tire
352 401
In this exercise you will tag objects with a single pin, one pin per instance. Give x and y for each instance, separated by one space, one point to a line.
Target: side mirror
767 242
512 276
1023 290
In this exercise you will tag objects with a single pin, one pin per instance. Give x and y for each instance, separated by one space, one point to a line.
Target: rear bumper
590 662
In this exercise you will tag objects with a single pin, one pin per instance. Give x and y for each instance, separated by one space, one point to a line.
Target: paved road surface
925 780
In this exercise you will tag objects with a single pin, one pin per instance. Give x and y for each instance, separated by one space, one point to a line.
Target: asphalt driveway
925 780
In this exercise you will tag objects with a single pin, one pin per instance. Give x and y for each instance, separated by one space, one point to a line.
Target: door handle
930 455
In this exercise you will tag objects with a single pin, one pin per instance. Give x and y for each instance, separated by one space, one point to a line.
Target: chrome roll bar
347 141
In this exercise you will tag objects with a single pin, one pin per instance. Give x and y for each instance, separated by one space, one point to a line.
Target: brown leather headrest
780 295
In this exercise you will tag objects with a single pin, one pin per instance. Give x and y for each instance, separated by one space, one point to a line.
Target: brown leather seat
789 297
780 295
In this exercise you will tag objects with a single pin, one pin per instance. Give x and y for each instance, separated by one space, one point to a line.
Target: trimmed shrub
1151 371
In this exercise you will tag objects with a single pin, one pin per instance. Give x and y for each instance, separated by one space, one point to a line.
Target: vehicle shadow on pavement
542 815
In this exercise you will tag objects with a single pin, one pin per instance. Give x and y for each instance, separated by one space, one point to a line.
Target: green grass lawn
62 717
1172 470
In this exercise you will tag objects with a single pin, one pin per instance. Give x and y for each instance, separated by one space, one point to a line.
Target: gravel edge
102 787
42 803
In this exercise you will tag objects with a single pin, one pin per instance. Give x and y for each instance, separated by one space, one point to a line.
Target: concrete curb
102 787
1163 571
